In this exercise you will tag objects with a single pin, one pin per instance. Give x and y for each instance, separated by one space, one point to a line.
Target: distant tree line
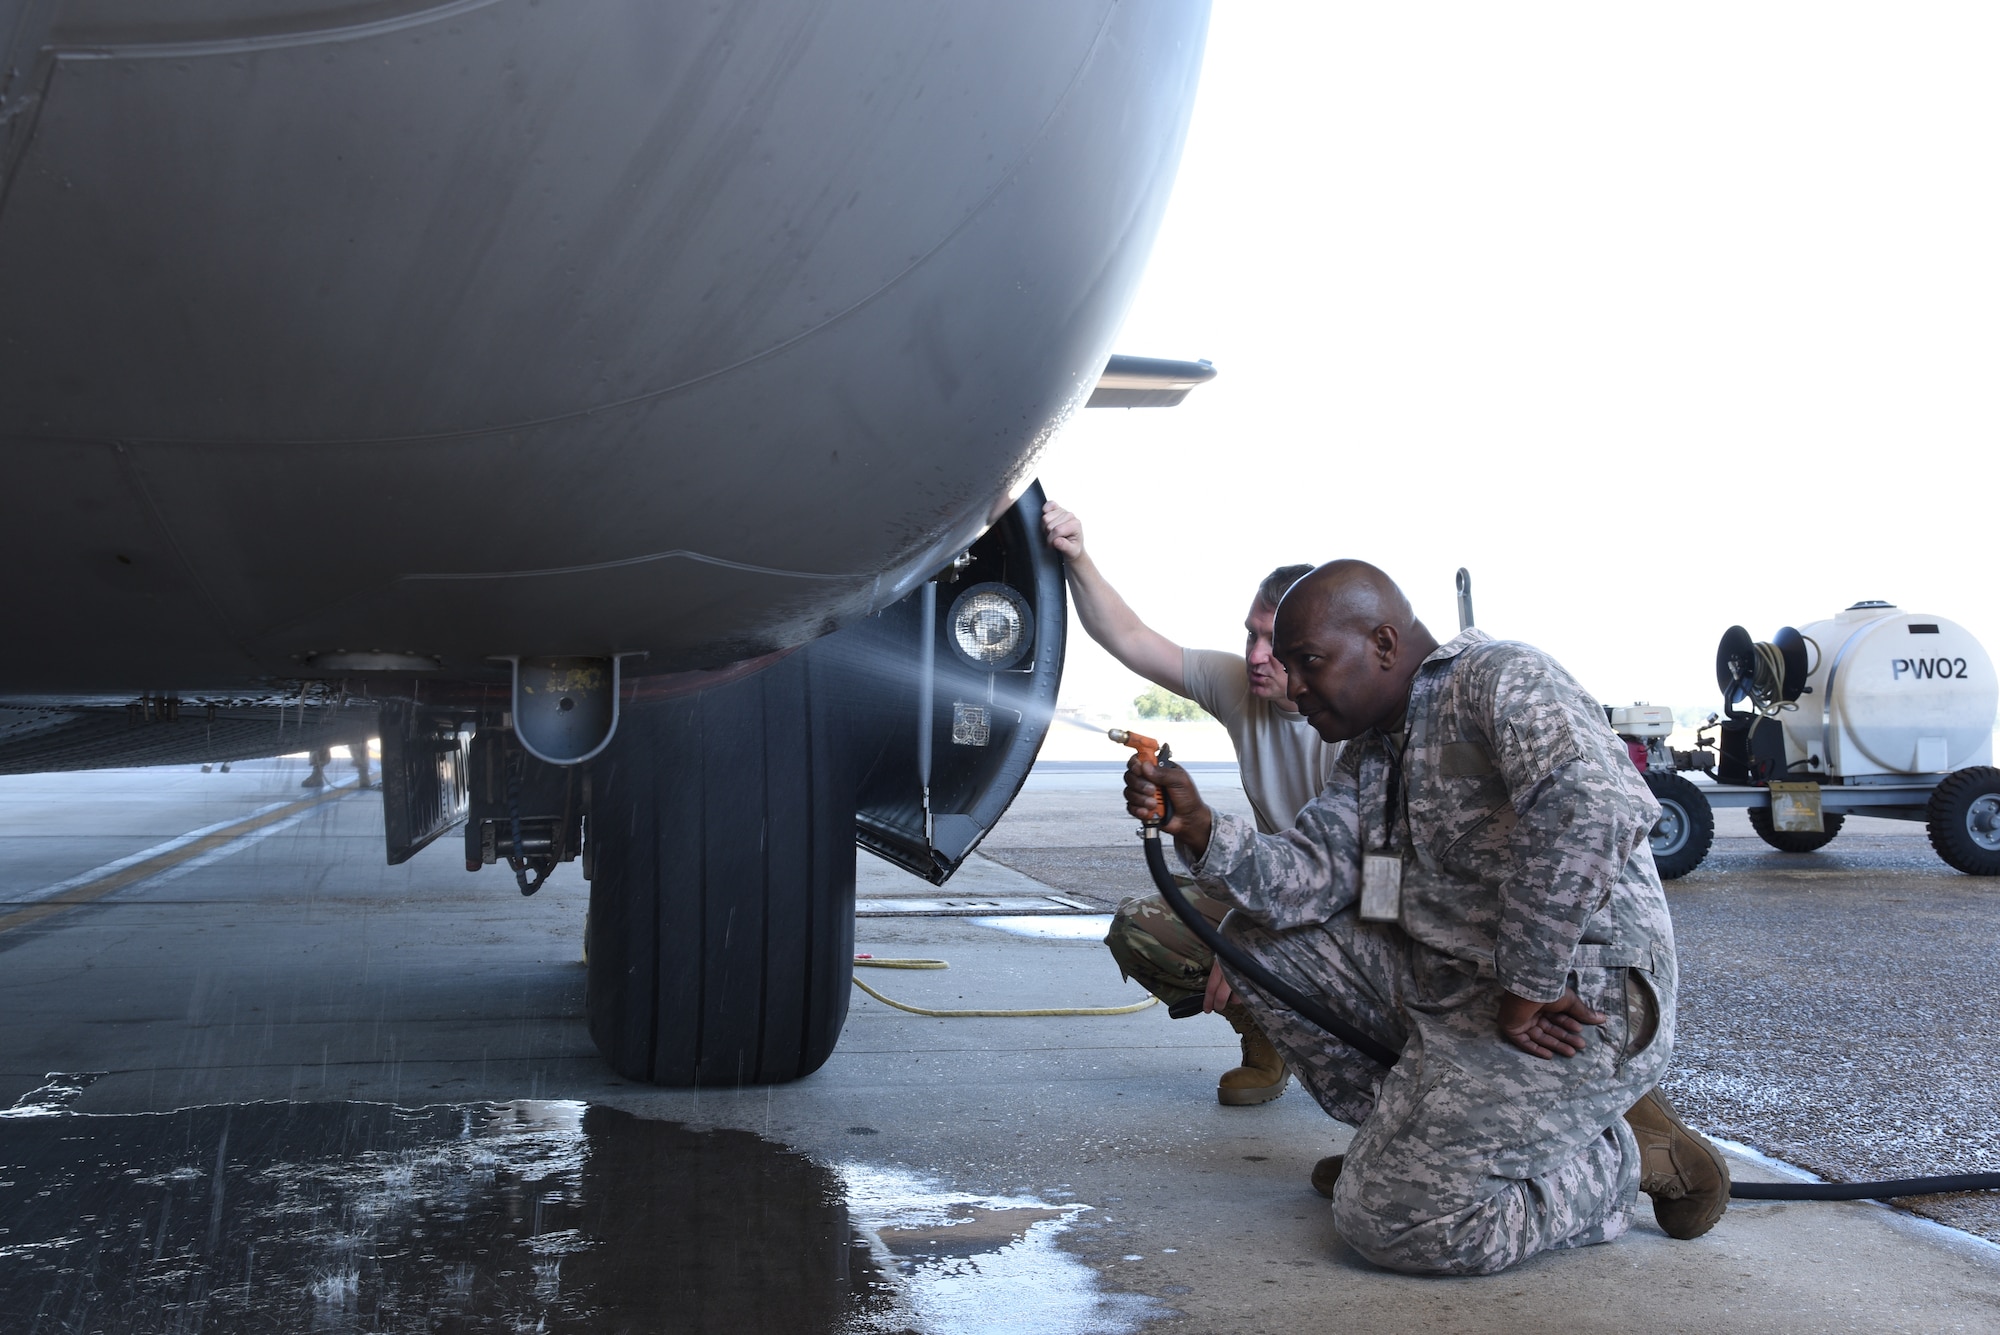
1163 704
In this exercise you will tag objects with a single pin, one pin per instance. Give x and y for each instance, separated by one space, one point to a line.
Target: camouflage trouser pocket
1631 1013
1156 950
1642 1014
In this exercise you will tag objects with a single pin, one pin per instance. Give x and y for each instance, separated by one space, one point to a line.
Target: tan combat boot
1327 1172
1686 1176
1262 1075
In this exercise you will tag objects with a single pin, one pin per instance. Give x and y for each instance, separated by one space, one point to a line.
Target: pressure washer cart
1876 712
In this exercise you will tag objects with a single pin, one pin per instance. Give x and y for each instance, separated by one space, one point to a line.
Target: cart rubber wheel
1794 841
1686 826
1964 820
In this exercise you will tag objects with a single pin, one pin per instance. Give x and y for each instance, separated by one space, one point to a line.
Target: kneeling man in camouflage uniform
1474 890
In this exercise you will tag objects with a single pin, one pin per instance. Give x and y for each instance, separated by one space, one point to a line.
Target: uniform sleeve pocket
1539 742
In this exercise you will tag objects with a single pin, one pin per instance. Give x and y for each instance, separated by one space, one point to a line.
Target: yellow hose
869 962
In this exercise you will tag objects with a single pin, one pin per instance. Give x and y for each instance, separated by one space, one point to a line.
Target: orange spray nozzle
1148 749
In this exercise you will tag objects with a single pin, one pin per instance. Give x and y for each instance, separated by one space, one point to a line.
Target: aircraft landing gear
721 929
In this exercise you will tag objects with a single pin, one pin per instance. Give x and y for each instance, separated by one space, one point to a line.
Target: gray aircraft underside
414 370
444 332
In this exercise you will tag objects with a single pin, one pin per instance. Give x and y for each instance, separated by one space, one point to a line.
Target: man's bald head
1348 595
1350 642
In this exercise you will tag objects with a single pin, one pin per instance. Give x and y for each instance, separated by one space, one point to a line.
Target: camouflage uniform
1155 949
1523 837
1283 765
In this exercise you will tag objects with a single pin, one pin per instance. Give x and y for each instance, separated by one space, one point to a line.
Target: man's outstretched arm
1107 618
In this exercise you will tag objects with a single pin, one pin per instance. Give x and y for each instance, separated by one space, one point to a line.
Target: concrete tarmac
938 1174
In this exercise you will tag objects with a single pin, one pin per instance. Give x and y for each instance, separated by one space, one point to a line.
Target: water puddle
906 907
507 1217
985 1264
527 1216
1078 928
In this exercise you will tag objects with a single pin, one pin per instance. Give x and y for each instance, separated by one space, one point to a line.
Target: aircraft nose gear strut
519 859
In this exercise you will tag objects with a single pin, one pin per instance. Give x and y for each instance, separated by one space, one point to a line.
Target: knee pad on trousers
1134 949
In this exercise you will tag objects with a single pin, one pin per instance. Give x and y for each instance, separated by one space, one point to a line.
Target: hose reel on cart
1767 678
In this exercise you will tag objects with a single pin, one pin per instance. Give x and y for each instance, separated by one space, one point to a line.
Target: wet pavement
1842 1010
341 1096
367 1217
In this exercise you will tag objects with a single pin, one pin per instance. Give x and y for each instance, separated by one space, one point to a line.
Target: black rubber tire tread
1700 817
1945 816
1792 841
721 928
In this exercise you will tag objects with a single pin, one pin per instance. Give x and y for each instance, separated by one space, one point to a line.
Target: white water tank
1892 692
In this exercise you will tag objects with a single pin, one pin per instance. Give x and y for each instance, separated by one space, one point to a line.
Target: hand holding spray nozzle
1245 967
1153 753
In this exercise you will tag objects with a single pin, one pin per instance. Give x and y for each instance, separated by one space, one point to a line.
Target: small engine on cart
1875 711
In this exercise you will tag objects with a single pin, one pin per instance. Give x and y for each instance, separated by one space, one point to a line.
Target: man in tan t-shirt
1284 765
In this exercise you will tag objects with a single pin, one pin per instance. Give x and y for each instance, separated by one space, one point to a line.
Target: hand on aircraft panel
1064 530
1546 1028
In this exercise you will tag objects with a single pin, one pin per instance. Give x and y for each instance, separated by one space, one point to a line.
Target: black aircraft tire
1686 827
1794 841
1963 819
721 928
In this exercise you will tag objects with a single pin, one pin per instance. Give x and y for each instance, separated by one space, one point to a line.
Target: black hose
1863 1191
1156 862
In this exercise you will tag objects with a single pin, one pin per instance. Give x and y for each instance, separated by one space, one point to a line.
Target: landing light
991 626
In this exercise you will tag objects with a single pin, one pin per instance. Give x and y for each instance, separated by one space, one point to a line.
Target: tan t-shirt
1283 761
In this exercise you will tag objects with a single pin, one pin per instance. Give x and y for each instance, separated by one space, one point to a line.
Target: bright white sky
1658 318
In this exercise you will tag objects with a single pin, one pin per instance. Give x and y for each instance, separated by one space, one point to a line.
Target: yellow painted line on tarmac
132 874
